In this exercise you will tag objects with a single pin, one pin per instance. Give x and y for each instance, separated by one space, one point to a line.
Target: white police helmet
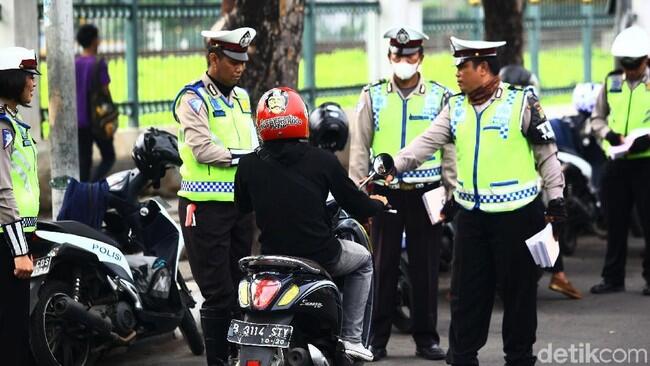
585 95
631 42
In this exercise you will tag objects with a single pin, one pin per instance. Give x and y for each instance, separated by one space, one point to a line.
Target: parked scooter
292 306
88 295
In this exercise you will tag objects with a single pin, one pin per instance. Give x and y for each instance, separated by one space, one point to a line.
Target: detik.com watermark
584 353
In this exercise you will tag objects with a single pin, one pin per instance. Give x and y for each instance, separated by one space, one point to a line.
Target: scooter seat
76 228
282 263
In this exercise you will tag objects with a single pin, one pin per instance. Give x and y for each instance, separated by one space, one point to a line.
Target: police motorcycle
292 306
90 290
582 162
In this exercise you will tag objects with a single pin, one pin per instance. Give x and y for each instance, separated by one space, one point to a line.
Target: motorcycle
89 293
582 162
292 306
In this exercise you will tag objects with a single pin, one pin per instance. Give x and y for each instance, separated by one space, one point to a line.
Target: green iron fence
153 47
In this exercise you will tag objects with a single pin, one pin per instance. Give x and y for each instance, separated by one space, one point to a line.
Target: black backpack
103 112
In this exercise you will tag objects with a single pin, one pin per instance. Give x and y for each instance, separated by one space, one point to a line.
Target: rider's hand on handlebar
379 198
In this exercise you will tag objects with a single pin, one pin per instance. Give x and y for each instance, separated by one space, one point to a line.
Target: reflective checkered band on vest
29 222
425 173
223 187
500 198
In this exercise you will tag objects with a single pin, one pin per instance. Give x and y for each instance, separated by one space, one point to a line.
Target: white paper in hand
619 151
434 201
544 248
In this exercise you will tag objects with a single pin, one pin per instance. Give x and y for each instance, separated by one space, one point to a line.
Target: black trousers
423 249
221 237
490 248
14 313
106 150
625 183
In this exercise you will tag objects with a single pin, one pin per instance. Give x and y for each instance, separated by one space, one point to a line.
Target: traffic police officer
19 201
623 109
503 145
391 113
215 129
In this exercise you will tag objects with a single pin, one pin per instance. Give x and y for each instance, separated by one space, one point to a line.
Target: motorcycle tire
191 333
78 348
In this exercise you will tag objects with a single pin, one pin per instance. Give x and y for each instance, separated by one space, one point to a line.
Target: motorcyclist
286 182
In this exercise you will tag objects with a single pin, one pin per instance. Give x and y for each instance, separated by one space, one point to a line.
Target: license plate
265 335
41 266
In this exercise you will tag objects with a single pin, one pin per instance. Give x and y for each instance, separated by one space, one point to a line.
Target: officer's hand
24 266
449 210
379 198
556 214
641 144
614 138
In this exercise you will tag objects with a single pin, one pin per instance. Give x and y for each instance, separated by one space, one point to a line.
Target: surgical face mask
404 70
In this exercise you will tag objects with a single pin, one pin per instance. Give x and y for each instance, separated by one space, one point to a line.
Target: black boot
215 329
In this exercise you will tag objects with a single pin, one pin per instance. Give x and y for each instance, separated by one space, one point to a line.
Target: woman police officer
19 201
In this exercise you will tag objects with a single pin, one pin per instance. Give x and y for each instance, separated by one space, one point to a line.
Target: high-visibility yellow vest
496 165
231 126
629 110
398 121
24 174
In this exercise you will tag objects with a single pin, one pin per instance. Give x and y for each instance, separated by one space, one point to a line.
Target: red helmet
281 114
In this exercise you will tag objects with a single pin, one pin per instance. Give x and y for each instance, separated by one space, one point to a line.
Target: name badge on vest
218 111
617 85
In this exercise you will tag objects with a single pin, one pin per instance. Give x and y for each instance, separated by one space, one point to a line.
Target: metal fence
153 47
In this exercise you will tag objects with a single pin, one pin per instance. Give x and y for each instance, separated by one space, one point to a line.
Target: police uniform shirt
8 206
196 127
362 132
439 134
599 125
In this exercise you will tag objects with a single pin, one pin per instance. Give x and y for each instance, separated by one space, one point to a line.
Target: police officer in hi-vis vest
19 202
391 113
504 145
622 113
216 128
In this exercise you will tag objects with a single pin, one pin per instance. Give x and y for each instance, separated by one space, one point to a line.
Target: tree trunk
275 51
504 22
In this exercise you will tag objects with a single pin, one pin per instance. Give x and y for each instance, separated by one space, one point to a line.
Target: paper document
616 152
434 201
544 248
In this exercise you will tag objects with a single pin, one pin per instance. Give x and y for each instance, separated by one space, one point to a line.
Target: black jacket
290 210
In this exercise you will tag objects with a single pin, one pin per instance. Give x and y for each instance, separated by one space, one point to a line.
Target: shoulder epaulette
375 83
615 72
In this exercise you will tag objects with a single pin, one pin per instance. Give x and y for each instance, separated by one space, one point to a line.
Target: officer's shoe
432 352
606 288
357 350
646 290
378 352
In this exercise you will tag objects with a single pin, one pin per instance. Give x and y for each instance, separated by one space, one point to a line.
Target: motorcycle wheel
191 333
402 316
53 340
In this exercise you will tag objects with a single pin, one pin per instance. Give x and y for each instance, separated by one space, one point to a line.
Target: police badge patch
195 104
7 138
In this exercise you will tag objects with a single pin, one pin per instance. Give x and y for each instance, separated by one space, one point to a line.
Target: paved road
606 322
